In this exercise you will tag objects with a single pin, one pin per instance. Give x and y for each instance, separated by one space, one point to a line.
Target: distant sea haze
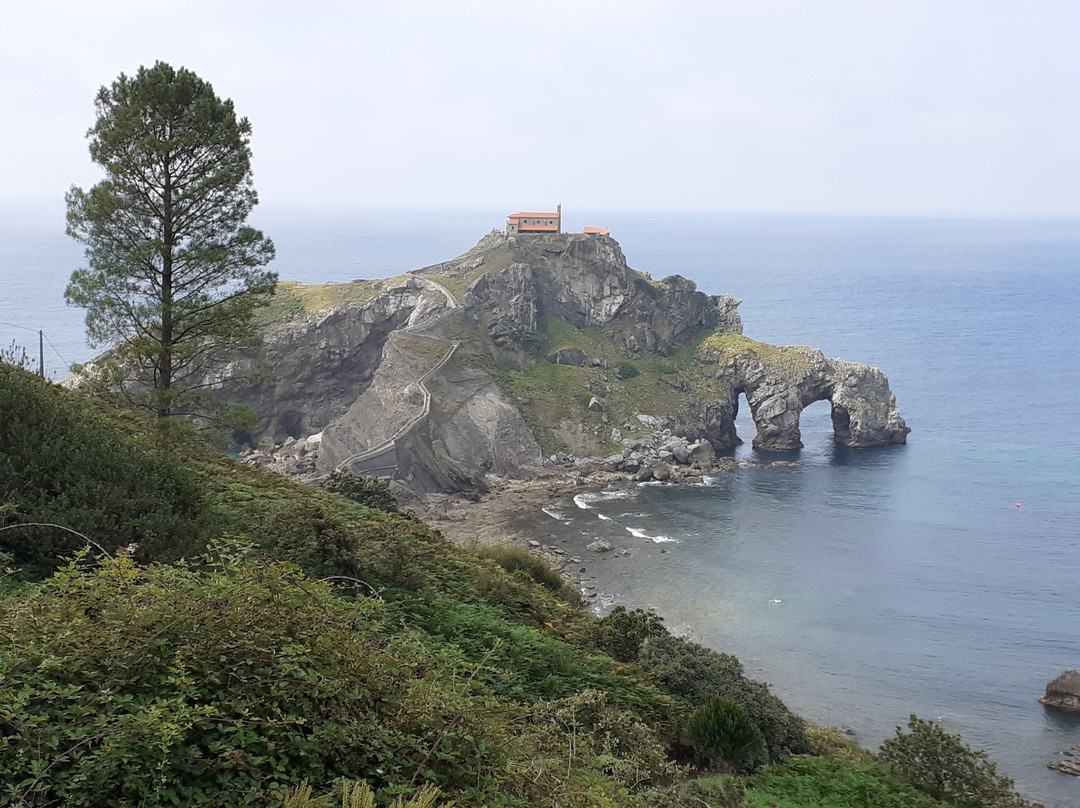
938 578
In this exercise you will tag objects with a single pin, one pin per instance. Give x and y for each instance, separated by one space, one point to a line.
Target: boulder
702 455
599 546
597 404
1064 692
679 448
569 356
661 472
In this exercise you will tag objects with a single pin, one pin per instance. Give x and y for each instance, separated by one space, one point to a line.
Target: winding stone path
382 458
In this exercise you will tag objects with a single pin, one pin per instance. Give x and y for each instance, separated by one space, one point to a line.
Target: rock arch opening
816 425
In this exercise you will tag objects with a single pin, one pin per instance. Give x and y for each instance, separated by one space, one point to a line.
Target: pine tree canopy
174 272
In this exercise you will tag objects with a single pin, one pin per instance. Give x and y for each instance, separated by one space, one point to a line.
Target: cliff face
319 362
537 345
586 282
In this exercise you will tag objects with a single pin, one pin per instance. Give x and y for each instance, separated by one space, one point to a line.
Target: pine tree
175 274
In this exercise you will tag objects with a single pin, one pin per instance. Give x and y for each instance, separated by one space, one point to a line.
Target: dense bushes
622 632
66 460
942 765
699 674
363 489
162 684
222 685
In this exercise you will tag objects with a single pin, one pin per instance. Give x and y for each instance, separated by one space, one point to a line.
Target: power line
40 332
23 327
67 364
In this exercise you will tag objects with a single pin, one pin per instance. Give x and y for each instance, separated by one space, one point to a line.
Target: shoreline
490 520
507 513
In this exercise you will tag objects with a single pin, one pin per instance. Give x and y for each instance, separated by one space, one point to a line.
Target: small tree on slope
940 764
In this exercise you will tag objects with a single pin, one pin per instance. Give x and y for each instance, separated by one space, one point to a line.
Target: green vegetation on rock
554 398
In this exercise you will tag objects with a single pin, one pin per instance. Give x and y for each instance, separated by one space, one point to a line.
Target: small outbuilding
596 231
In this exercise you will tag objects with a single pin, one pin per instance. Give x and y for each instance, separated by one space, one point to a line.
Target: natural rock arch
780 382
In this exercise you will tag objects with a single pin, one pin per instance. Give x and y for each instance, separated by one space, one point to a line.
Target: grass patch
296 299
813 782
514 557
721 347
551 396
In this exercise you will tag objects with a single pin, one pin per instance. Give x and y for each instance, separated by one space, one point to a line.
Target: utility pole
41 353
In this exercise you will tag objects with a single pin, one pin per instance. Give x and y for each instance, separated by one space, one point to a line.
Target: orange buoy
1017 504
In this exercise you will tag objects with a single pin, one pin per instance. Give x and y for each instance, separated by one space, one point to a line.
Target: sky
831 107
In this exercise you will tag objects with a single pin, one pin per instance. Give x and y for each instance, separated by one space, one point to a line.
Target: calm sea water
908 579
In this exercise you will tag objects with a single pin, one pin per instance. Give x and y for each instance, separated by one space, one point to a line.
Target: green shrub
631 752
309 534
64 459
827 742
940 764
721 728
364 489
696 673
514 557
621 633
626 370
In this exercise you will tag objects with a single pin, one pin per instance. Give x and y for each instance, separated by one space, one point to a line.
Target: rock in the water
1064 692
600 546
1070 765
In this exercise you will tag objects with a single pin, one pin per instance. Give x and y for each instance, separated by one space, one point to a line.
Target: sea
940 578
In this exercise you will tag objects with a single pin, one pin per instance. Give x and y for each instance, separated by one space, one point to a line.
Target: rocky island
528 350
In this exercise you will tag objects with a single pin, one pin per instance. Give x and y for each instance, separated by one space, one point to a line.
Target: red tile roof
597 231
533 216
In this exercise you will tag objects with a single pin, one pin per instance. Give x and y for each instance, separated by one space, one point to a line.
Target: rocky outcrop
472 431
1069 762
779 382
377 377
587 282
1064 692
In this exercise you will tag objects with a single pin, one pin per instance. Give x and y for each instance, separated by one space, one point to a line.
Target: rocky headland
530 352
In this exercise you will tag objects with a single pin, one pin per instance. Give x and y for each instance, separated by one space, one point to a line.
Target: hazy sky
881 106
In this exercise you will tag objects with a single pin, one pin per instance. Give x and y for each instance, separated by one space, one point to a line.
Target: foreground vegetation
213 635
